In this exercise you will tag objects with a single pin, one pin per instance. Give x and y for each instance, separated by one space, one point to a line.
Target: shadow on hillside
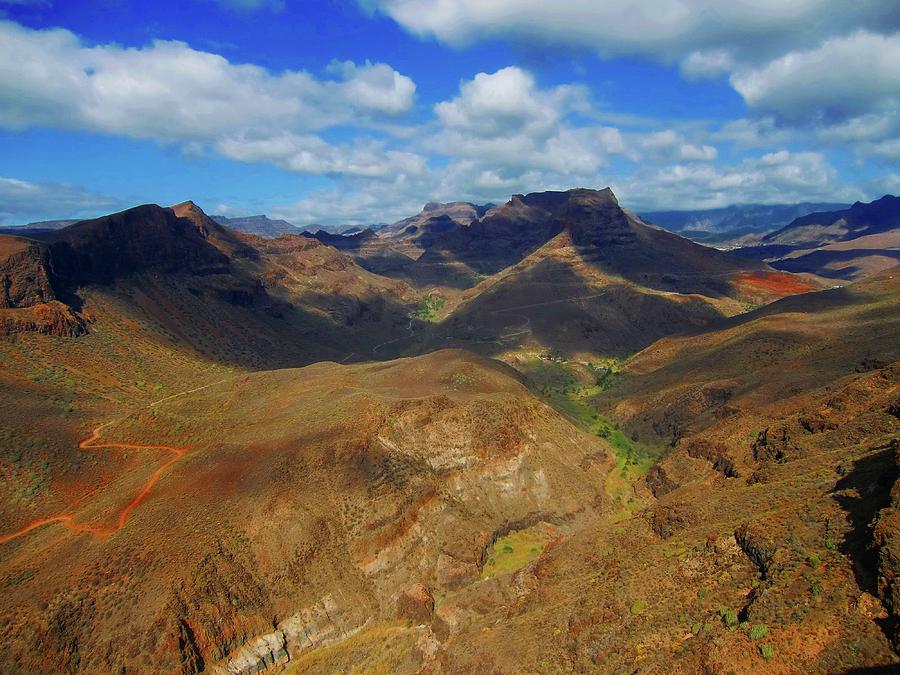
232 321
862 493
816 262
551 304
804 303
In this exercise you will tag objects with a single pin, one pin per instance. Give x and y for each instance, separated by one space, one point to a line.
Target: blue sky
349 111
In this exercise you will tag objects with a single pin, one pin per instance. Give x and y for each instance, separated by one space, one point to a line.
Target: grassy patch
517 549
569 386
429 307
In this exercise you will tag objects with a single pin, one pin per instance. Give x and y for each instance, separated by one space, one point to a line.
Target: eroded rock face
416 604
887 537
773 445
715 453
658 481
324 623
52 318
24 274
757 546
258 655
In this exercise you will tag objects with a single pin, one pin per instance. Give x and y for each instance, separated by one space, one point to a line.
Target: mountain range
545 435
845 244
735 225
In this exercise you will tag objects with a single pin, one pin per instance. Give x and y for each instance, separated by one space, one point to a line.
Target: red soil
67 520
781 283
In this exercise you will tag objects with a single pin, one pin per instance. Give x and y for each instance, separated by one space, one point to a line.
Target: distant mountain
260 225
860 220
721 226
435 215
849 243
40 226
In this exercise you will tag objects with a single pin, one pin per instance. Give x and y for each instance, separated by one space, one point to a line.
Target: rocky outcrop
416 604
667 520
319 625
223 603
52 318
24 273
757 546
715 453
658 481
886 534
265 652
773 445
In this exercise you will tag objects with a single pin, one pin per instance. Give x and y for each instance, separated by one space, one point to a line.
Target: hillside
227 296
410 471
603 494
846 244
573 271
747 547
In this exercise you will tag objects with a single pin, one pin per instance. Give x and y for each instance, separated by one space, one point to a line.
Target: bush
637 607
730 618
767 651
758 631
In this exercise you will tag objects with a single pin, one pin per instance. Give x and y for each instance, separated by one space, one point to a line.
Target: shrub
767 651
730 618
637 607
758 631
814 560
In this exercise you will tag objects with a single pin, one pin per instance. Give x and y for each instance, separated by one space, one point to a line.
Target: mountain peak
552 200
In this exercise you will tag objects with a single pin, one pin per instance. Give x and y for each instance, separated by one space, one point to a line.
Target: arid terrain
541 436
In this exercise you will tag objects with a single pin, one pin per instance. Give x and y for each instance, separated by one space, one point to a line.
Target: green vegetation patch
429 307
557 379
517 549
758 632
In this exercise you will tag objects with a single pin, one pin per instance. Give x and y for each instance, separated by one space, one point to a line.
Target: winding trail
67 520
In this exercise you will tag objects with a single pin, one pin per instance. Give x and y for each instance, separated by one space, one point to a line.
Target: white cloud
840 79
669 144
311 154
375 86
774 178
502 125
508 101
169 92
22 201
664 29
708 63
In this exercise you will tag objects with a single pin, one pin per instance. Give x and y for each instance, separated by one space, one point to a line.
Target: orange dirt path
67 520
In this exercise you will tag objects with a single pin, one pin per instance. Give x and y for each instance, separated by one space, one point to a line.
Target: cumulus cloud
707 63
780 177
502 125
805 62
311 154
669 144
664 29
508 101
169 92
840 79
22 201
